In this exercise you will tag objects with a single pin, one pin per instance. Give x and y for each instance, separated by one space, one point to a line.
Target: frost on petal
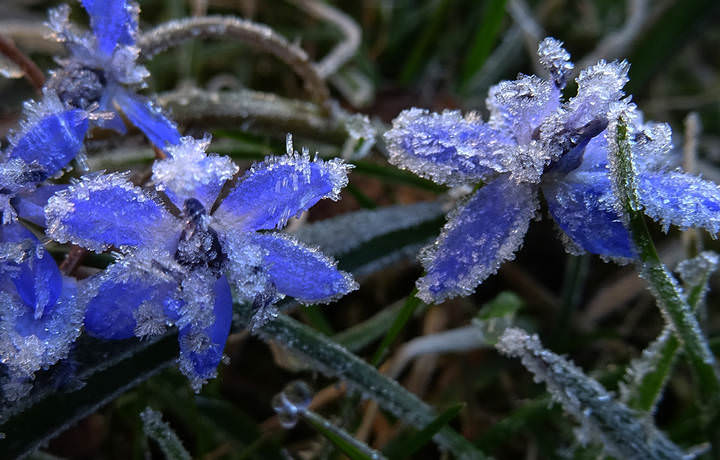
556 60
598 87
49 136
24 260
202 350
675 198
148 118
584 208
518 107
479 235
125 301
279 188
190 173
107 210
445 147
113 22
31 205
301 272
652 146
28 342
245 262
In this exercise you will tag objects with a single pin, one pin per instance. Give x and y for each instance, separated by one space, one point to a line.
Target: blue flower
39 314
49 137
102 69
536 142
180 271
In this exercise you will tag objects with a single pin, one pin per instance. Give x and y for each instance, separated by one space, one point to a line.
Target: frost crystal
290 403
556 60
172 271
539 142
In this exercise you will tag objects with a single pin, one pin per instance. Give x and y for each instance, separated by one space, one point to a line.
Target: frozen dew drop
291 402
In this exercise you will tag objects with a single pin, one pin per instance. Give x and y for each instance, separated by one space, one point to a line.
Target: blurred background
434 54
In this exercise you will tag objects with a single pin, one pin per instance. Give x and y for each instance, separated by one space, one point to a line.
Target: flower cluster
183 250
537 142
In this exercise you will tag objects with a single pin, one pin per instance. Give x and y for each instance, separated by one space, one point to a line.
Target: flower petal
445 147
190 173
114 22
518 107
201 365
122 302
480 234
29 343
148 118
598 87
680 199
583 206
51 140
31 268
279 188
31 205
301 272
107 210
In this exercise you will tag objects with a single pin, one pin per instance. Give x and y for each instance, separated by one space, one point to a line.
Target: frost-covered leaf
622 432
169 442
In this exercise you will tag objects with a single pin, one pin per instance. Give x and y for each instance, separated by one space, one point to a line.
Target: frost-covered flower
49 137
39 314
102 72
179 271
536 142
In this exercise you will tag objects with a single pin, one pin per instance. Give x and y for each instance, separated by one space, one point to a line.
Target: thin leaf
417 441
169 442
485 37
341 439
411 304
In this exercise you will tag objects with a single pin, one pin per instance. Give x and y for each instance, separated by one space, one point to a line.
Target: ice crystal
536 141
290 403
620 430
102 70
172 271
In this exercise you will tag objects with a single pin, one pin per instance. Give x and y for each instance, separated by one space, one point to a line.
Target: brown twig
72 260
32 72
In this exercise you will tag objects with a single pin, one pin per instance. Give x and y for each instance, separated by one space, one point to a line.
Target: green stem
666 290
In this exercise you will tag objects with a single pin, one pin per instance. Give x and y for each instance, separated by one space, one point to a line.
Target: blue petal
446 148
680 199
279 188
598 87
31 205
518 107
583 206
114 22
107 210
53 141
36 278
190 173
112 300
29 343
300 272
479 236
200 366
148 118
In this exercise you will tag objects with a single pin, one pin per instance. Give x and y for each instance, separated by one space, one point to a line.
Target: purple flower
102 72
536 142
180 270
